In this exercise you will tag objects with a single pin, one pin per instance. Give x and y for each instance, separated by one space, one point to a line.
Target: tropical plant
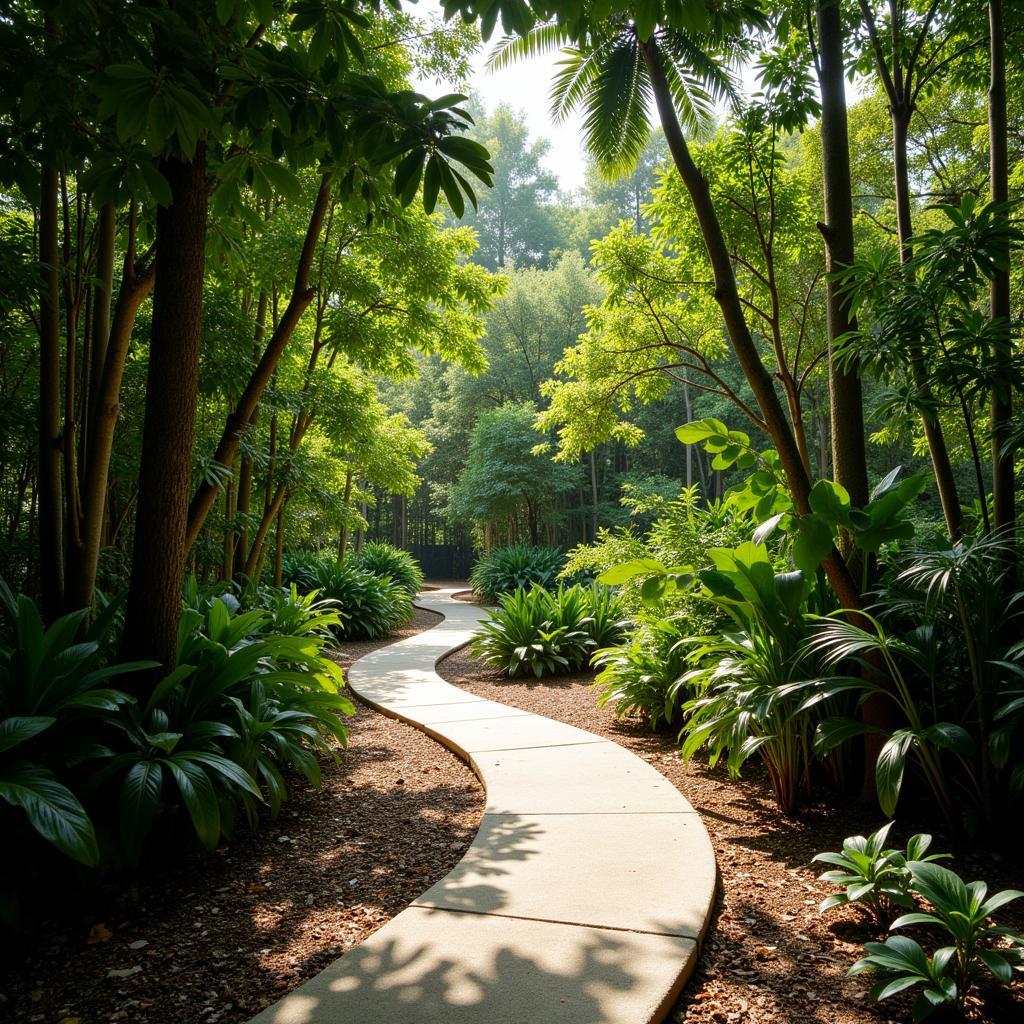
519 566
960 913
383 559
290 613
642 675
369 606
546 632
873 875
944 631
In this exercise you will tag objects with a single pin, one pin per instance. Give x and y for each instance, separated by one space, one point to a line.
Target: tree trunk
165 476
102 301
343 536
727 297
849 460
51 510
1003 497
302 295
105 407
593 496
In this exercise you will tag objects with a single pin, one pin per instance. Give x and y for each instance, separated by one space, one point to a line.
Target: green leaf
889 768
831 502
52 809
199 798
18 729
139 804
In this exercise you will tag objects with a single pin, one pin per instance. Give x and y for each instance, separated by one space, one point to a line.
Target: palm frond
577 73
616 127
539 40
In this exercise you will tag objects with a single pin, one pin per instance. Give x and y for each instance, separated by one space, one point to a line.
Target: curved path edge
583 898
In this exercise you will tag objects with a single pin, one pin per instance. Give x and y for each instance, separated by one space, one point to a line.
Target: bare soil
769 956
216 938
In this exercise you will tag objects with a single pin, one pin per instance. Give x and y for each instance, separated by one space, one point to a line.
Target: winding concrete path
582 899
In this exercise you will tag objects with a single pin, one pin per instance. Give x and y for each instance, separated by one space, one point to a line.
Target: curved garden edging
582 899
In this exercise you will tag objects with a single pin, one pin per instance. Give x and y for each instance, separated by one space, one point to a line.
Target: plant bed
217 938
769 955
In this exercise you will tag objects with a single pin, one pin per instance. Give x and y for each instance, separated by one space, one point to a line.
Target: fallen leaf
98 933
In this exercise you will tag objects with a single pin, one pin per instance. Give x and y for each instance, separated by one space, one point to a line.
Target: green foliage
383 559
643 674
872 875
55 701
518 567
369 606
960 913
944 631
546 632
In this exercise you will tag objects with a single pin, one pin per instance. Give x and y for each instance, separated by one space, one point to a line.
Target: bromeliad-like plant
874 876
961 913
643 675
547 632
383 559
518 567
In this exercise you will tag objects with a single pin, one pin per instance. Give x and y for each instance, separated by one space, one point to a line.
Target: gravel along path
768 957
214 939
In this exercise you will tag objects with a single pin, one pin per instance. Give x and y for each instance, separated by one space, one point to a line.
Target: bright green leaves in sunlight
729 447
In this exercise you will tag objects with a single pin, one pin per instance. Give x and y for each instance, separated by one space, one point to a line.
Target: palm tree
613 69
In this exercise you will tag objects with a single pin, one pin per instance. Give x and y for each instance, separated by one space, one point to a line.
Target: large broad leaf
889 768
52 809
627 570
18 729
886 514
830 502
139 805
199 798
814 539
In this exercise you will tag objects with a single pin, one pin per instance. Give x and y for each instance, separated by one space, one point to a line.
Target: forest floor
769 957
212 939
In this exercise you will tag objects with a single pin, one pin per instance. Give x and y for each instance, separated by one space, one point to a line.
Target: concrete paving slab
435 967
561 780
522 731
652 872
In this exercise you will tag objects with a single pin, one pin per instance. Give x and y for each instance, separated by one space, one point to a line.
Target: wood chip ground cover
769 957
214 939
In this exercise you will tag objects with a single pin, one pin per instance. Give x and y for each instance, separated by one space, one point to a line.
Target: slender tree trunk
343 536
279 546
728 299
849 459
161 548
105 405
1003 496
102 301
593 496
51 510
302 295
942 466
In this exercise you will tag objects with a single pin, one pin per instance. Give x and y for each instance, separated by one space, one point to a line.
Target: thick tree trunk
49 488
728 299
158 562
849 460
1003 496
302 295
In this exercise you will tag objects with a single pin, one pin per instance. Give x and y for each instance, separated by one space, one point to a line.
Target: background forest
274 322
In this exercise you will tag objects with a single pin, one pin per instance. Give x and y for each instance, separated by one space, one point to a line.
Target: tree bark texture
158 562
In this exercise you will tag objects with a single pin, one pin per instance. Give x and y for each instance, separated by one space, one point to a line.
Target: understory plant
369 606
641 676
749 682
92 772
383 559
519 566
960 915
946 629
874 876
547 632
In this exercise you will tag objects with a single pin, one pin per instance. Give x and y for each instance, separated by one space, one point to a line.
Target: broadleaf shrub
370 606
520 566
383 559
547 632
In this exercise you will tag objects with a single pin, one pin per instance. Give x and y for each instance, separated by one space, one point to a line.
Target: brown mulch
214 939
769 956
